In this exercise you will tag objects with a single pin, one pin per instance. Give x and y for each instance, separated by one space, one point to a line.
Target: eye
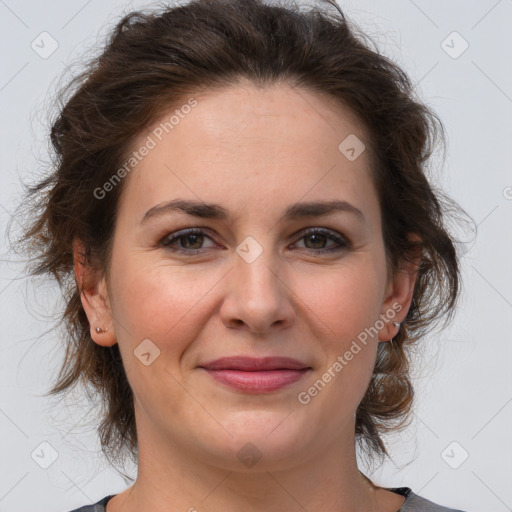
318 238
190 241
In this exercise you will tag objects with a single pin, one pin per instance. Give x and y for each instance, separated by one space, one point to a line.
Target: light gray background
464 390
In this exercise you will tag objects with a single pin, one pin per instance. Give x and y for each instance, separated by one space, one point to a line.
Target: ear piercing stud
396 324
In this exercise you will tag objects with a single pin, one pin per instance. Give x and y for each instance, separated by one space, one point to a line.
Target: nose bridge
258 296
255 265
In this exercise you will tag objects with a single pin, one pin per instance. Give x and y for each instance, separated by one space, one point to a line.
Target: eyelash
166 242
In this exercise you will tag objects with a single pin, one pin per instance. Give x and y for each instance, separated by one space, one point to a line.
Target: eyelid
176 235
342 241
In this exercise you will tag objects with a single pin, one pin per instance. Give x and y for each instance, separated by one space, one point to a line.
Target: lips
256 375
251 364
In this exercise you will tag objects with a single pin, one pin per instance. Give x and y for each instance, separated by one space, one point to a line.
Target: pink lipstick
256 375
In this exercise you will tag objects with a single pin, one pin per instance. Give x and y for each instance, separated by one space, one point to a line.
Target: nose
257 296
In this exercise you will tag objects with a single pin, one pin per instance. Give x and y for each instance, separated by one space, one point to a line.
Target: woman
250 247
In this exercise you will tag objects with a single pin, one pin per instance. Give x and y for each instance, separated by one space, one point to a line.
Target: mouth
256 375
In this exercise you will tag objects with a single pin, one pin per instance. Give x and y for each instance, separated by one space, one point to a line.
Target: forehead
245 143
231 116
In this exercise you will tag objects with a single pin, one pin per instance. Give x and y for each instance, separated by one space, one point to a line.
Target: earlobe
94 297
103 337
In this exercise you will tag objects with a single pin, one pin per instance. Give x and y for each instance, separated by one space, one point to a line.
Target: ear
399 291
94 297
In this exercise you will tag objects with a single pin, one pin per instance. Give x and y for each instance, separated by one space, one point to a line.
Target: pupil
193 236
319 238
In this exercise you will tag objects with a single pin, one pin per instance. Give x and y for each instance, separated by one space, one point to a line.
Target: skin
255 152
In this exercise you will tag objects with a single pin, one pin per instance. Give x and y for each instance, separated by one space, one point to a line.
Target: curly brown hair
153 60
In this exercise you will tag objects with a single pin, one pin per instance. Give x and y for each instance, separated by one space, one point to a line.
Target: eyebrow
215 211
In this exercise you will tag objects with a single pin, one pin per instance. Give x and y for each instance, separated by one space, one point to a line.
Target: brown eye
189 240
318 241
318 238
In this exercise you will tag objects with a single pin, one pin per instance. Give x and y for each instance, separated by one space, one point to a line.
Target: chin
260 441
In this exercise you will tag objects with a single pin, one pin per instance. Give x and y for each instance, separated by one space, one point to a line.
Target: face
257 277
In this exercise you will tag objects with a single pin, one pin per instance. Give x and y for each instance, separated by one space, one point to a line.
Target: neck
175 477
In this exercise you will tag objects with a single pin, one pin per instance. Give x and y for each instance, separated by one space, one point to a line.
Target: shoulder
415 503
95 507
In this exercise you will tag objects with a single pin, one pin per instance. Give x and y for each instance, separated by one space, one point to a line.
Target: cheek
164 303
167 305
345 301
345 306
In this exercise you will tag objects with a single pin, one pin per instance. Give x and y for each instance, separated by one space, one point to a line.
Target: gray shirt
412 503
